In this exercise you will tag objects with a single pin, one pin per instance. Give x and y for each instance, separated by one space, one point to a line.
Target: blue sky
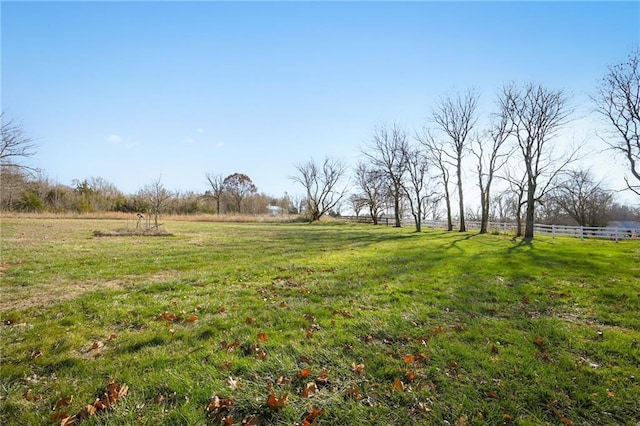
131 91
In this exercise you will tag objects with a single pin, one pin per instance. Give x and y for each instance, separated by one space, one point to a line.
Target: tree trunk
530 213
484 215
463 226
396 209
447 199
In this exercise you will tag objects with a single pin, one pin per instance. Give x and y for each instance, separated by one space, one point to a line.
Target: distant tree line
523 171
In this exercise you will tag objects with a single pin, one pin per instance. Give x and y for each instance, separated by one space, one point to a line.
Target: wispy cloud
190 141
116 139
119 140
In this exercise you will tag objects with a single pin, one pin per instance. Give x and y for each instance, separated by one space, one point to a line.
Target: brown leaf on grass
539 341
410 375
343 312
398 385
312 415
275 403
263 337
218 408
227 420
249 320
492 394
169 317
357 368
409 359
222 310
309 390
437 330
283 381
233 383
610 393
323 377
354 392
63 402
69 421
111 337
192 318
230 347
304 372
36 353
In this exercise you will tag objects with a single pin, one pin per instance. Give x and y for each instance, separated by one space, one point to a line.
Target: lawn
334 324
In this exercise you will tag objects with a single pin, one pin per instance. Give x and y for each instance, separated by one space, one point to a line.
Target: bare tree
157 196
456 117
435 153
583 198
535 115
618 100
373 189
386 153
515 195
16 145
491 157
321 183
216 182
238 186
416 184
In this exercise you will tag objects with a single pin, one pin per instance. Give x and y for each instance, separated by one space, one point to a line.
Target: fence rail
611 233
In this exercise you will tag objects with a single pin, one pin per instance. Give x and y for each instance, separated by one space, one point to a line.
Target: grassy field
334 324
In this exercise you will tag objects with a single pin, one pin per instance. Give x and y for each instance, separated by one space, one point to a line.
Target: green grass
394 327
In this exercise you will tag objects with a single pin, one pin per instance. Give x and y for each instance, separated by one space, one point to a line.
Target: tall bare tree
535 115
491 157
456 116
216 184
386 153
618 100
373 189
583 198
16 146
322 185
416 185
434 150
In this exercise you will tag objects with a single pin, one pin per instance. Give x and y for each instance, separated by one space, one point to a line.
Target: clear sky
131 91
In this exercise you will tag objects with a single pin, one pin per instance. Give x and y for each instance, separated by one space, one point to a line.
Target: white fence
510 227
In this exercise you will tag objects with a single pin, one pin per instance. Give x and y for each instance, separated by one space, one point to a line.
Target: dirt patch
45 294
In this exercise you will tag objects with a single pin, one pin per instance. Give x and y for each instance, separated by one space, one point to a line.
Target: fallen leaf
263 337
233 383
192 318
63 402
410 375
398 385
359 368
309 389
492 394
276 403
409 359
249 320
304 372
